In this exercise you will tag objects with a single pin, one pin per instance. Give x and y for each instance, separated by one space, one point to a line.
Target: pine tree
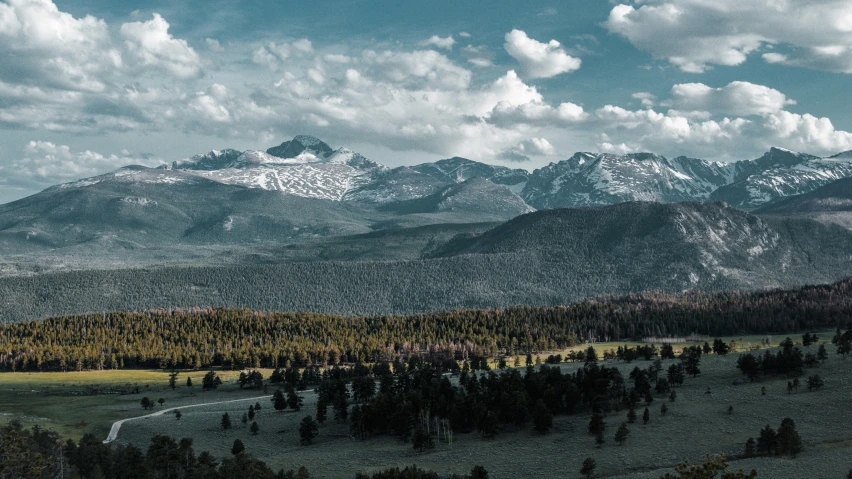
646 416
421 440
767 441
596 423
178 414
294 401
322 410
730 410
251 413
631 415
244 419
238 447
664 409
621 434
279 402
673 396
226 421
588 468
789 441
308 430
254 428
822 354
478 472
173 379
188 382
599 439
750 448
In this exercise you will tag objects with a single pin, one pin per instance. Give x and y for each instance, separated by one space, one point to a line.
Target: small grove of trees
785 441
711 467
843 342
251 378
788 361
211 381
146 403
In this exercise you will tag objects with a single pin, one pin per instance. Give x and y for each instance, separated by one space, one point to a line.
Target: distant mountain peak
300 144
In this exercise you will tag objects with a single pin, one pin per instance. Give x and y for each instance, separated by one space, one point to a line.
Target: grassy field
696 424
76 403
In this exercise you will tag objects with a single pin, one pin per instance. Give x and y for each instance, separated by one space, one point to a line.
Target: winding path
116 426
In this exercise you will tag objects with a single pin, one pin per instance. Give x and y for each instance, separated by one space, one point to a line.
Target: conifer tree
646 416
587 470
308 430
596 423
279 402
750 450
226 421
767 441
238 447
294 401
621 434
789 441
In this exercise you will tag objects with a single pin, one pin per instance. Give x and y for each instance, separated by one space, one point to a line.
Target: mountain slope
778 174
686 245
588 179
457 170
138 207
476 196
831 203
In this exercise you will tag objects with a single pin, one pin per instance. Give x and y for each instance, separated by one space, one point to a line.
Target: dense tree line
40 454
231 338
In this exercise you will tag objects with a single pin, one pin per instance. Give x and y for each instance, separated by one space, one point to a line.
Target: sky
89 86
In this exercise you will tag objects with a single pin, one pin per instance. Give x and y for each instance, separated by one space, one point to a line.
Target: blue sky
88 86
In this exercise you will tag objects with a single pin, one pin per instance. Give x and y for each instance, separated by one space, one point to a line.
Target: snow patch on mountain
588 179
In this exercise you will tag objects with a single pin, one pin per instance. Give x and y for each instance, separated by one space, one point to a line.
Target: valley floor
697 424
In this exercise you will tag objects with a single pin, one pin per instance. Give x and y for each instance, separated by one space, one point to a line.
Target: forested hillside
243 338
546 258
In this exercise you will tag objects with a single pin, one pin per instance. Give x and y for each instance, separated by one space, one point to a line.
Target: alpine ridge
309 167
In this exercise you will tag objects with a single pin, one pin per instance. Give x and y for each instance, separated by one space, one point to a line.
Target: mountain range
308 167
343 234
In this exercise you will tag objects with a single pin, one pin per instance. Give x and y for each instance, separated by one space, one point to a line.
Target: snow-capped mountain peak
603 178
300 144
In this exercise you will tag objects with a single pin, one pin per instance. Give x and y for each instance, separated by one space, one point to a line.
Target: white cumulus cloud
738 98
446 42
696 34
153 46
539 60
44 163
